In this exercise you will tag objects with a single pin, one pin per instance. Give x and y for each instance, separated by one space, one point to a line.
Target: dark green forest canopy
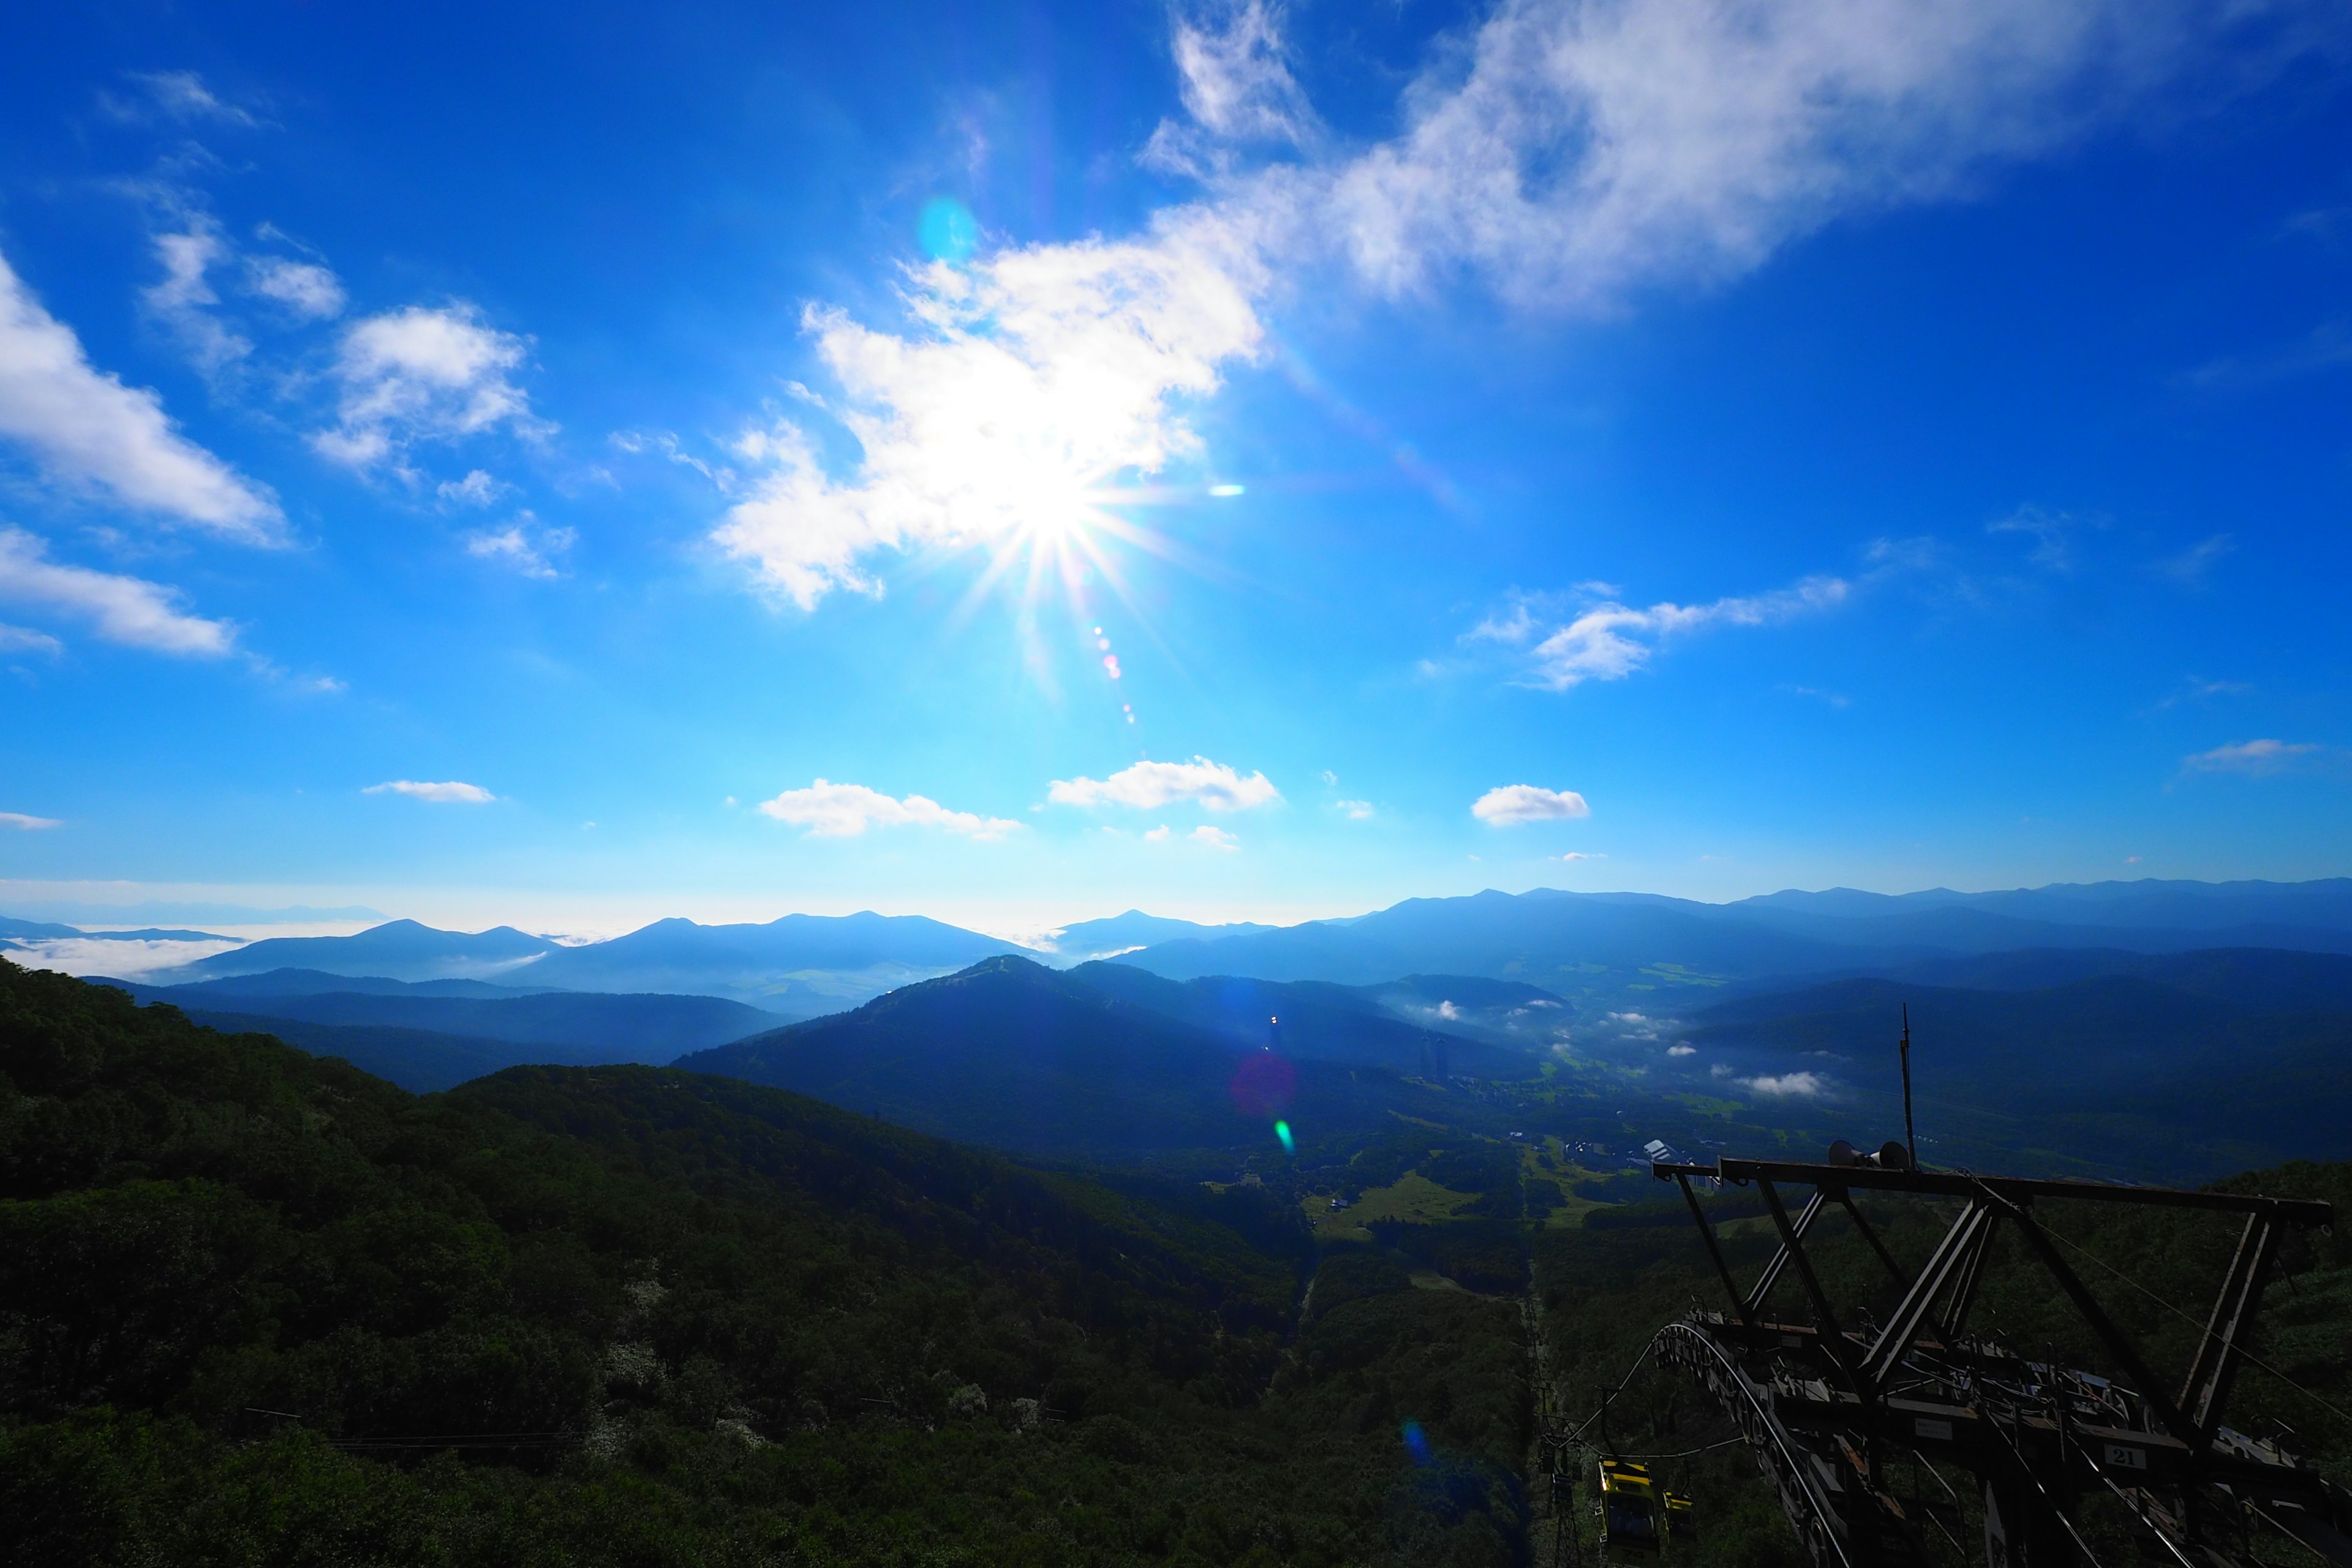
258 1306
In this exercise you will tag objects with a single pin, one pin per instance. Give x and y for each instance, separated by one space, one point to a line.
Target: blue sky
576 465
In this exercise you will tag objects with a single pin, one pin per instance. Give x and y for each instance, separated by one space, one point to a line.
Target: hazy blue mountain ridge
646 1029
397 950
1016 1056
1317 1022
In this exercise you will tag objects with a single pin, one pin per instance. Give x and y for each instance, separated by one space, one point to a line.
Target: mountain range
1592 950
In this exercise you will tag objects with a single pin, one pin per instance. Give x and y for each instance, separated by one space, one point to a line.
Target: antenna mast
1910 1141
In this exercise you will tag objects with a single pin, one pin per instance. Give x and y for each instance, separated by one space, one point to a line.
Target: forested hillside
260 1306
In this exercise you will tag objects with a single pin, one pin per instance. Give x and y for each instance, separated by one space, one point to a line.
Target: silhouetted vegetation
256 1306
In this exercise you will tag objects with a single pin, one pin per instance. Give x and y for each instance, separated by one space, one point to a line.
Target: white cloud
1159 835
1355 810
523 545
1513 805
23 824
181 96
310 292
24 639
1569 152
183 299
2257 758
2054 533
476 488
1787 1085
1575 855
1148 785
126 610
1682 1050
86 428
1234 77
1029 381
423 375
450 793
1215 837
847 810
1589 148
2191 566
1609 641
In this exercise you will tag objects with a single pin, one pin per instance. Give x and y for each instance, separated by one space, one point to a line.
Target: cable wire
2085 1252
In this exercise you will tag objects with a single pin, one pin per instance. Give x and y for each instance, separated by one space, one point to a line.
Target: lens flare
947 230
1282 1131
1416 1442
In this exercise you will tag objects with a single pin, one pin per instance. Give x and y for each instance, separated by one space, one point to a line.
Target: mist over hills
1107 938
429 1034
1014 1056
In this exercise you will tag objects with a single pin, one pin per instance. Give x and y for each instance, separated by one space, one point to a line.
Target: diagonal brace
2119 1343
1792 1248
1715 1251
2220 1352
1952 1254
1788 1238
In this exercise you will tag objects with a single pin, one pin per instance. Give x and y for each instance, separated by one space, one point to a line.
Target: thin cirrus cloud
24 639
1146 786
180 95
450 792
847 810
1675 145
423 374
1607 640
22 822
522 546
2256 759
1514 805
86 429
131 611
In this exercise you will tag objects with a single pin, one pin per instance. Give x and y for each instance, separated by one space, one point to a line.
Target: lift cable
2186 1317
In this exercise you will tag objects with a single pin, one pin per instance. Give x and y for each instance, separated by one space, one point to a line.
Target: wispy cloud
184 299
1355 810
1569 154
22 822
2328 346
2191 566
448 793
1513 806
309 292
425 375
476 488
2053 532
1146 786
1214 838
523 545
847 810
24 639
1610 640
2195 688
2258 759
177 96
1234 77
126 610
88 429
